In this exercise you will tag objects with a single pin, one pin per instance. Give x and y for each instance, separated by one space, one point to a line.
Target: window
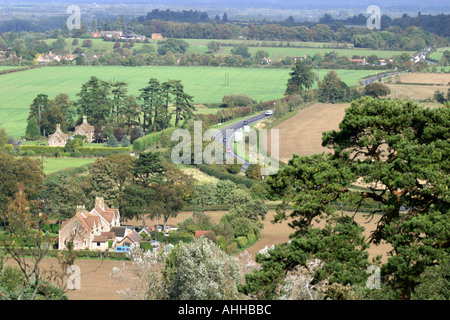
98 244
85 243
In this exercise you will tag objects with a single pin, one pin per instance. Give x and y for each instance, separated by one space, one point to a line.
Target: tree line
111 110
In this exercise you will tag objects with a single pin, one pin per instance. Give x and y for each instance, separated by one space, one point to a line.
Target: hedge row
6 71
85 254
243 241
82 153
143 143
223 175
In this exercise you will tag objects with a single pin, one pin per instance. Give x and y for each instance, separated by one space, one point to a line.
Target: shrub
237 100
241 242
251 238
48 151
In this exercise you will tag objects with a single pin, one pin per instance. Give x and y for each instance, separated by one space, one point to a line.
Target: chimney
81 209
99 202
84 119
58 127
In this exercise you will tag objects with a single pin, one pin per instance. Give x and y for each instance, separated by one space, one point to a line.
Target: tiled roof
134 237
119 231
200 233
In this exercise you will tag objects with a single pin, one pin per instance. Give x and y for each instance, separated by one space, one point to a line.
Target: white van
269 113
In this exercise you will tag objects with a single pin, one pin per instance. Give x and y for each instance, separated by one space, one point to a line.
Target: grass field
439 53
276 49
205 84
52 165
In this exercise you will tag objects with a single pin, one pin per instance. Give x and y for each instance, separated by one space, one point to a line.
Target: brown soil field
302 134
415 92
436 78
96 283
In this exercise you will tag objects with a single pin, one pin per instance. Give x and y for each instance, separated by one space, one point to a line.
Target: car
224 139
245 122
228 150
269 113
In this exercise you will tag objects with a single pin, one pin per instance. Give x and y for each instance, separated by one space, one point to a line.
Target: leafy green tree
23 170
332 89
376 90
40 103
213 46
67 108
112 142
340 247
94 101
241 50
184 108
402 156
119 92
32 131
301 78
151 101
439 96
51 117
174 46
126 141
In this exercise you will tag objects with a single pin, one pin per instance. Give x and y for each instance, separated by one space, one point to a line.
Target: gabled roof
200 233
133 237
119 231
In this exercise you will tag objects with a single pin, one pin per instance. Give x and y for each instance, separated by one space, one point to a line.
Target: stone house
85 129
58 139
90 229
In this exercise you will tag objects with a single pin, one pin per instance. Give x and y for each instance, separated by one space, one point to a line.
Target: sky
291 4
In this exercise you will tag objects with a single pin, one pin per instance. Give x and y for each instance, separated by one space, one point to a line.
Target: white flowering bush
143 275
298 283
200 270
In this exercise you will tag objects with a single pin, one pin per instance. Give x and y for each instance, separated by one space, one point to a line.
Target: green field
439 53
276 49
277 52
205 84
52 165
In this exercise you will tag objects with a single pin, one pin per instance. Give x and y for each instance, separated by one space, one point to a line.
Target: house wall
82 235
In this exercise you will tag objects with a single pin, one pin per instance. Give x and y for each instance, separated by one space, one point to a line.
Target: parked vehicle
269 113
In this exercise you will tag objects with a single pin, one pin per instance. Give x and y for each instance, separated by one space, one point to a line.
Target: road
374 79
234 127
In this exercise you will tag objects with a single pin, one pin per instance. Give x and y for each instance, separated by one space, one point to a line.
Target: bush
237 100
85 152
241 242
223 175
251 238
